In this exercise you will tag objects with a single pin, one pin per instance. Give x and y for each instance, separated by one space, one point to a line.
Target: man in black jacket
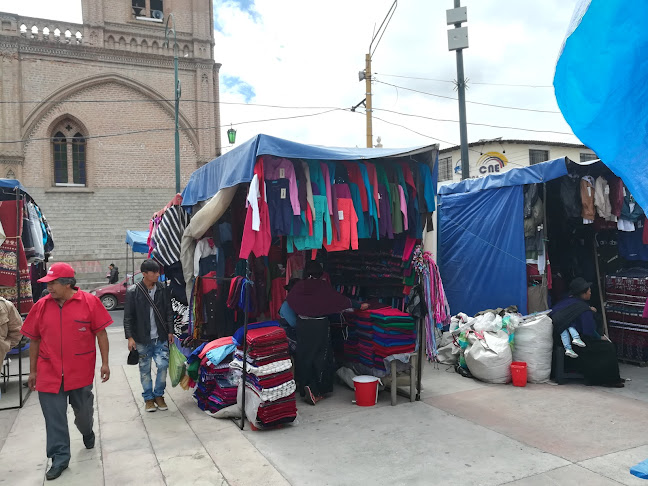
148 329
113 274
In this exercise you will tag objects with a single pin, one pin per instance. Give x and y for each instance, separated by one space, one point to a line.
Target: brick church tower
90 113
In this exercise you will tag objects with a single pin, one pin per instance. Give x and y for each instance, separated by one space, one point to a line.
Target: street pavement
461 432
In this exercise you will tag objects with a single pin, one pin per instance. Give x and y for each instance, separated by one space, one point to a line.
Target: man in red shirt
62 327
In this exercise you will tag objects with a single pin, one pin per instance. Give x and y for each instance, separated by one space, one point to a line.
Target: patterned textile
626 294
168 234
9 258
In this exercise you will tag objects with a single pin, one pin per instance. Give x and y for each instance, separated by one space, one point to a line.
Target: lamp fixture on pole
231 135
178 93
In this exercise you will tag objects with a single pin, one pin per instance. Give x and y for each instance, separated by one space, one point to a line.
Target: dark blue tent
237 165
481 238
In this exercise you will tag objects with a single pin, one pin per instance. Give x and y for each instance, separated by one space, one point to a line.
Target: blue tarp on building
482 255
237 166
137 240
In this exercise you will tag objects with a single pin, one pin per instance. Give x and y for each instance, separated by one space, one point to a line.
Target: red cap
58 270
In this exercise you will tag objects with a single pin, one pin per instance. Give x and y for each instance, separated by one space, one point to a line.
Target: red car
114 295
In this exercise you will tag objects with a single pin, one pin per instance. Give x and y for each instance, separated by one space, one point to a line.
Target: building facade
499 155
87 118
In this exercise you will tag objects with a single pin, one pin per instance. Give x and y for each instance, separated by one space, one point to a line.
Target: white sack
489 359
488 322
534 346
448 352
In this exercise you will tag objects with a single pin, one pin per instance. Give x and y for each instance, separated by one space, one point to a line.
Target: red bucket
366 390
519 373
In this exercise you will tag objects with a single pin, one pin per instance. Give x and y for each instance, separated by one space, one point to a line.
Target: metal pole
177 94
368 100
463 127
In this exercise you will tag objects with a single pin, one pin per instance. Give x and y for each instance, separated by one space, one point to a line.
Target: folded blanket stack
376 334
216 386
269 377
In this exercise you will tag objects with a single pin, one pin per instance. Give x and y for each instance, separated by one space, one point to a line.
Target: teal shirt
320 218
363 232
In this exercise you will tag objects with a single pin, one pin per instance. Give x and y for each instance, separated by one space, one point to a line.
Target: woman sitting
597 361
313 299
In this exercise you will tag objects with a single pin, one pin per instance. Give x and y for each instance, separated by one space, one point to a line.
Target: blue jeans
158 350
565 336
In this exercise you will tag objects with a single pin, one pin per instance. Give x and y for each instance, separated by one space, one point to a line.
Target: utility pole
458 41
368 109
366 74
177 92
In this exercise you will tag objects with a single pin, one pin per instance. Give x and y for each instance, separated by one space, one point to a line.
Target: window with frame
445 169
584 157
69 155
537 156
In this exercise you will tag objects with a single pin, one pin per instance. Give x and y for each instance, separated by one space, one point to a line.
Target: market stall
26 244
265 209
531 231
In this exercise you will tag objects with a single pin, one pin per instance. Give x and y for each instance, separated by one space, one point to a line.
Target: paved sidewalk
462 432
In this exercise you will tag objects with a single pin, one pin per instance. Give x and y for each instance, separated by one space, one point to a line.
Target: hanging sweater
314 242
348 237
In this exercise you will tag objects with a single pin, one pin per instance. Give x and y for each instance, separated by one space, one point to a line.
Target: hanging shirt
301 184
371 203
279 207
257 241
428 189
395 205
314 241
373 180
252 201
616 195
204 248
587 199
602 199
630 210
309 195
275 168
403 206
357 178
348 228
385 222
364 229
327 185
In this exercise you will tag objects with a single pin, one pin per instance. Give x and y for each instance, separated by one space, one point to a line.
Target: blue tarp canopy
11 184
482 255
600 86
137 240
237 166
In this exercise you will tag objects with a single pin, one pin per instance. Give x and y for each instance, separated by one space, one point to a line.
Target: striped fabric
168 235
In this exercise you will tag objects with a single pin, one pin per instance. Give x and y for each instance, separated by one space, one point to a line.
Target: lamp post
178 93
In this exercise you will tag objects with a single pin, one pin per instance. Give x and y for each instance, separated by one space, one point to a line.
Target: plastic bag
176 364
488 322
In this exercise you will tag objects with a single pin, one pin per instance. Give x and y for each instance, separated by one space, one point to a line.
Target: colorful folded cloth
269 369
272 394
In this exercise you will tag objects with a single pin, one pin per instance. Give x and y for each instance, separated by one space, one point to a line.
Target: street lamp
178 93
231 136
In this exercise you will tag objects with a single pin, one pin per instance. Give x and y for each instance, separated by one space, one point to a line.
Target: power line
472 123
438 139
153 130
473 82
472 102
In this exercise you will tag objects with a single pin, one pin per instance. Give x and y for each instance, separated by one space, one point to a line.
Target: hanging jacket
570 196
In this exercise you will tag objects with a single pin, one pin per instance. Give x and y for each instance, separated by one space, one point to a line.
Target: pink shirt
403 205
275 168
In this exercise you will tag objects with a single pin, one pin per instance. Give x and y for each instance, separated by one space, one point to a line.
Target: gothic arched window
69 153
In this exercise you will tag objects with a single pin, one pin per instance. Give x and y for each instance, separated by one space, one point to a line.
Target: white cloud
297 53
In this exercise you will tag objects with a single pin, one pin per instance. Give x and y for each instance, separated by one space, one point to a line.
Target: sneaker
161 404
579 342
150 406
570 353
